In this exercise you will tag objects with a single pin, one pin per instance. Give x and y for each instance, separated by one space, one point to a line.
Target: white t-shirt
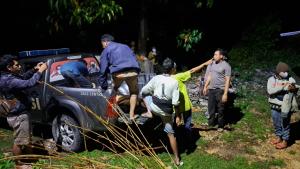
163 87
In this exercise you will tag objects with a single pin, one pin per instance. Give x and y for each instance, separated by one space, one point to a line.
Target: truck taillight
110 111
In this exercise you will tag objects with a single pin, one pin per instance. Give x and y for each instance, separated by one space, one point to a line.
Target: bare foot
147 114
134 117
282 145
276 140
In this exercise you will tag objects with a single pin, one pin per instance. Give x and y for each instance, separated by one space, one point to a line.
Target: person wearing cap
119 60
281 89
216 86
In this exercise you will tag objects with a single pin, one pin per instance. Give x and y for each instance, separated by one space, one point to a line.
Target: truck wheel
66 134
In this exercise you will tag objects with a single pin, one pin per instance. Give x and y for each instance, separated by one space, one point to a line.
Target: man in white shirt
165 96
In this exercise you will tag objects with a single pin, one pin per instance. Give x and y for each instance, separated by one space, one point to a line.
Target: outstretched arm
196 69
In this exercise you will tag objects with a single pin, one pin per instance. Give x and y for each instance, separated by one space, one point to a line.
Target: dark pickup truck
56 104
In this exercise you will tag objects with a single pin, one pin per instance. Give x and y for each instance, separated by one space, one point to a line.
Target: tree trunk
143 33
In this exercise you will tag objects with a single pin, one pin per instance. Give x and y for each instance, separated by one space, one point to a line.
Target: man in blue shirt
119 60
12 84
74 72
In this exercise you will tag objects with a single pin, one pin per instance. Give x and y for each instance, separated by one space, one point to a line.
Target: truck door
34 95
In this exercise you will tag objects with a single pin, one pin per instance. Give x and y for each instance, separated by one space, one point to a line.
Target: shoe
281 145
276 141
179 164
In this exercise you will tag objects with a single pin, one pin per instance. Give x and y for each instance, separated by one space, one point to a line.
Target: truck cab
68 109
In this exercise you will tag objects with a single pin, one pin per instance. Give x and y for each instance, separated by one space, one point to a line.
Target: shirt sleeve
272 87
207 72
228 70
183 76
292 80
19 83
103 69
28 74
175 95
148 89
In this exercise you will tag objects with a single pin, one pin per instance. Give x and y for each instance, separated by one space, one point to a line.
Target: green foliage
263 33
199 3
188 38
75 12
5 164
245 59
258 47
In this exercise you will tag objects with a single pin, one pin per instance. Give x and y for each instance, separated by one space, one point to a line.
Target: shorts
167 119
131 81
22 128
169 128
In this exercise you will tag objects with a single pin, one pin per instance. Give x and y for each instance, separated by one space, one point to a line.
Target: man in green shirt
185 105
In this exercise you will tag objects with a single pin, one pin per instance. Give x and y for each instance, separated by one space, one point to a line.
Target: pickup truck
55 103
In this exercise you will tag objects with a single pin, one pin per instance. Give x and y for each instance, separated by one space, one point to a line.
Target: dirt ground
256 150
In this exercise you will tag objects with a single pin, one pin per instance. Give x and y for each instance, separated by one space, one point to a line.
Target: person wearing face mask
282 90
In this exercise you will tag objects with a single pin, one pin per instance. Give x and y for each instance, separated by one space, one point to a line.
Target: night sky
24 25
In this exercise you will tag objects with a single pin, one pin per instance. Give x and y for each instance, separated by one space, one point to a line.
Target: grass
110 159
199 118
199 159
202 160
5 143
6 139
255 123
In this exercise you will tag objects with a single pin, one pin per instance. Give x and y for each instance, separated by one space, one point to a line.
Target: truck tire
66 134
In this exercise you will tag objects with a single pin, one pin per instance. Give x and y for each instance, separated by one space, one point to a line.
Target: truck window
55 74
92 65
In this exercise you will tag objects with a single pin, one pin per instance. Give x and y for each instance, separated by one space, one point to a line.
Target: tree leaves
201 3
188 38
79 13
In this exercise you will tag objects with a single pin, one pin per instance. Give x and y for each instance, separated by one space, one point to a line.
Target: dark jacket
11 87
116 57
76 67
